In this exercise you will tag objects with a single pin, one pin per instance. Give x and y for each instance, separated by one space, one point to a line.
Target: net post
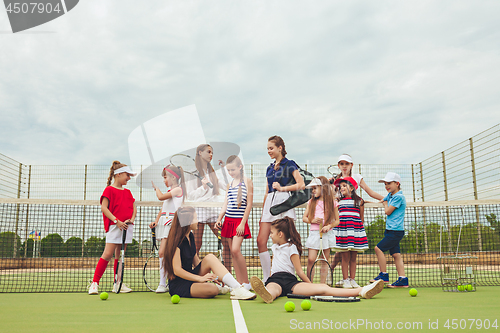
474 182
27 213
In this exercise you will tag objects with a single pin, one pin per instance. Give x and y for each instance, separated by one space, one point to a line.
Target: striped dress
234 215
350 233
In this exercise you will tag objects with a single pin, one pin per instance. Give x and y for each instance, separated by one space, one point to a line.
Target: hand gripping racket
321 272
150 272
342 299
331 170
188 165
120 269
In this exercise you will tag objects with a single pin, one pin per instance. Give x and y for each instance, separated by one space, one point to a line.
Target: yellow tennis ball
175 299
461 288
289 306
469 287
305 305
104 296
413 292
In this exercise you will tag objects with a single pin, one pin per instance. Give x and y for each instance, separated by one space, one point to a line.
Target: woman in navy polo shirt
278 176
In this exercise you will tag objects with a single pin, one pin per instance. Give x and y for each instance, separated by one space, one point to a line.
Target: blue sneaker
400 283
381 276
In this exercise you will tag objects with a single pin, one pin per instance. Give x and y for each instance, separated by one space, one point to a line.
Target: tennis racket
121 264
332 171
188 165
150 272
321 272
341 299
219 247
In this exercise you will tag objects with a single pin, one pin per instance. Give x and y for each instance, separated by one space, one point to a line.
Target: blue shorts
391 240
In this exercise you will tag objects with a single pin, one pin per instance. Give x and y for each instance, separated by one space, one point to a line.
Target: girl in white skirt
173 177
278 175
118 210
322 214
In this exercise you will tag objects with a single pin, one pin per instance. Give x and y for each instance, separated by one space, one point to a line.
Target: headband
346 158
171 172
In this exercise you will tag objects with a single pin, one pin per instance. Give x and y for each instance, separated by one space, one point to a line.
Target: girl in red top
118 210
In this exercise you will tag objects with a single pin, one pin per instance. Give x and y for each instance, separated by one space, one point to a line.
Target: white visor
314 182
125 169
346 158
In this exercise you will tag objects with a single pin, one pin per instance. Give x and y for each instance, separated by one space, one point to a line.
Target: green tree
132 249
73 247
52 246
94 247
8 241
27 248
375 232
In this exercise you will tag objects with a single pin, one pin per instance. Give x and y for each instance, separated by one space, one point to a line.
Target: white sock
248 286
265 262
230 281
163 277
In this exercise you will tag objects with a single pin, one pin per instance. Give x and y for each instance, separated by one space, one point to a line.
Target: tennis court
141 312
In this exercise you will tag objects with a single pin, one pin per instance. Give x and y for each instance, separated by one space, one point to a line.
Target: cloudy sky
387 81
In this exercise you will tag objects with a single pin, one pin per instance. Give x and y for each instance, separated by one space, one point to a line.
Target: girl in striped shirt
350 233
235 211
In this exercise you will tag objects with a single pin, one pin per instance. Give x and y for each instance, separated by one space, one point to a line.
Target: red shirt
121 205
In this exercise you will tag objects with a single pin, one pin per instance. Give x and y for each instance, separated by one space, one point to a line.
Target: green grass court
146 311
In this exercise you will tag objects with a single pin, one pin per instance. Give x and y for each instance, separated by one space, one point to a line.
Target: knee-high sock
230 281
265 262
163 277
99 270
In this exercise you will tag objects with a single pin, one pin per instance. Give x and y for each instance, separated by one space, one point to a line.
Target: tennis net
54 245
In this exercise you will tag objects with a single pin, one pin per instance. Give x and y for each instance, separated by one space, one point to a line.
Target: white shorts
162 230
207 215
114 235
313 240
272 199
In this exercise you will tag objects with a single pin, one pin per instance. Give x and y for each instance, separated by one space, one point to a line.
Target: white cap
346 158
314 182
125 169
391 177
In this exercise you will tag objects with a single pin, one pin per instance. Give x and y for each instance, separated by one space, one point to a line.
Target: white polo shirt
281 258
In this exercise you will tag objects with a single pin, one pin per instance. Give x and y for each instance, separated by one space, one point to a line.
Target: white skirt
114 235
162 230
313 240
272 199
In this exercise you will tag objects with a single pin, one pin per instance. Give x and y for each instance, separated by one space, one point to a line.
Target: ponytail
114 166
181 181
287 227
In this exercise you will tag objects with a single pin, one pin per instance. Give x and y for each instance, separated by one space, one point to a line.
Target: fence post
414 209
27 214
84 210
423 208
18 208
446 199
360 189
413 183
473 164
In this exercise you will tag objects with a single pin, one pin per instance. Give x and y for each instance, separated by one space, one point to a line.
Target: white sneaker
223 289
160 289
347 284
353 283
242 293
339 284
261 290
93 289
123 289
372 289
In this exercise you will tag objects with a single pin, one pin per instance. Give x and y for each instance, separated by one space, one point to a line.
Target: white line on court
239 320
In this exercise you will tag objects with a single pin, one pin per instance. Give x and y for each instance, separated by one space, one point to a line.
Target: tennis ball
289 306
104 296
413 292
469 287
461 288
175 299
305 305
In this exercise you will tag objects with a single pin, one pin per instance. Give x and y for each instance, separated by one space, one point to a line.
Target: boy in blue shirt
395 206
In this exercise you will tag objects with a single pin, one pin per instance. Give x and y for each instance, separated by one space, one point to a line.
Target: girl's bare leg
352 264
345 264
240 267
314 289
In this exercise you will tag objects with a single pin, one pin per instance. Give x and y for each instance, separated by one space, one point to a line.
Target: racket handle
210 185
298 296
